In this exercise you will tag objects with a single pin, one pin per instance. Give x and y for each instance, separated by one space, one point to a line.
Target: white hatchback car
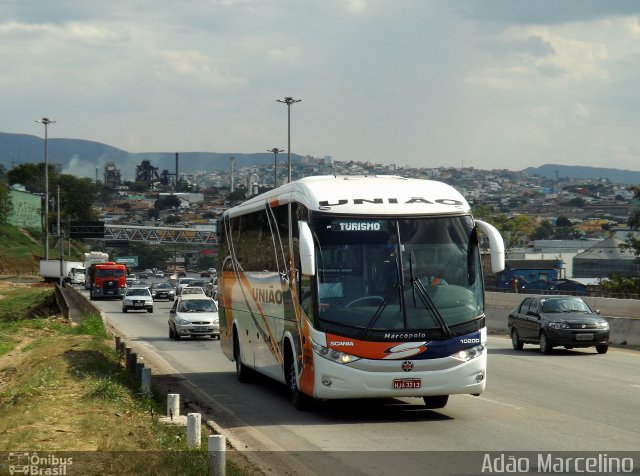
138 298
194 315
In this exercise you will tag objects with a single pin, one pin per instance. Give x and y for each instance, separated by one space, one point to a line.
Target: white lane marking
516 407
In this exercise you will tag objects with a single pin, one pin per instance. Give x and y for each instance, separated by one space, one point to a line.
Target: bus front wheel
300 400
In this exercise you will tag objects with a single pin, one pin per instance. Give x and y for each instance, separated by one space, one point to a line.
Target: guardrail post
139 367
117 343
173 405
127 352
216 455
193 430
145 380
131 362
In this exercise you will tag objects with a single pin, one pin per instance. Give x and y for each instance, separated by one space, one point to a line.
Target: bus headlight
333 355
468 354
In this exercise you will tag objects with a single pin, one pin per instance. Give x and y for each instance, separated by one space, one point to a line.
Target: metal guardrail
556 292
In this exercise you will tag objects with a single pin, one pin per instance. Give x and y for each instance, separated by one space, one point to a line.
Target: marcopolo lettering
393 201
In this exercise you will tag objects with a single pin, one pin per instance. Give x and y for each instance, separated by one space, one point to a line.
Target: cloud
71 30
194 66
284 54
355 5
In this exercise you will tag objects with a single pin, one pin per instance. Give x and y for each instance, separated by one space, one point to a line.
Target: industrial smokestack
232 169
175 187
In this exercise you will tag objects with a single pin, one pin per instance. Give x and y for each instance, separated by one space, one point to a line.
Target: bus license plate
584 336
407 383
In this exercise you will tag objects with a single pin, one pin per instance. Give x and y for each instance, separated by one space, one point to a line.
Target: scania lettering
331 289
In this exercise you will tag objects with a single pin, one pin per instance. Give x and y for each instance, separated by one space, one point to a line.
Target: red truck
108 280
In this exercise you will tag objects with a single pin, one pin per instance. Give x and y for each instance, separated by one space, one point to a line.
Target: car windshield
565 305
197 305
380 275
163 286
189 290
138 292
109 273
185 280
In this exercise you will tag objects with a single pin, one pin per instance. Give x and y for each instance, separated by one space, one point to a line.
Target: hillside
85 158
582 172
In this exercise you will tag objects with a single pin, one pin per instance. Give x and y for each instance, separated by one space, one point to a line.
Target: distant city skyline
420 83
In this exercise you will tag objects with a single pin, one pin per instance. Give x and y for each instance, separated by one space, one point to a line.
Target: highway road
569 401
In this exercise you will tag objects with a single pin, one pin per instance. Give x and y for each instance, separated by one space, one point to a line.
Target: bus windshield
414 277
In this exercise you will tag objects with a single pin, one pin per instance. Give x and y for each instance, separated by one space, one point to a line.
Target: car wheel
124 309
515 340
435 401
602 348
150 309
545 345
171 333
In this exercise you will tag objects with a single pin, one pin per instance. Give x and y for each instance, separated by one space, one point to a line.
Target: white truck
50 269
77 275
91 258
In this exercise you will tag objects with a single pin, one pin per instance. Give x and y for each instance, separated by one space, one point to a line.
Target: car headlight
558 325
602 325
333 355
468 354
128 301
183 322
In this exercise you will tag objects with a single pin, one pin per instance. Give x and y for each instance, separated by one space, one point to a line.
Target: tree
167 201
77 194
5 204
563 221
149 256
32 176
577 202
544 231
153 213
78 197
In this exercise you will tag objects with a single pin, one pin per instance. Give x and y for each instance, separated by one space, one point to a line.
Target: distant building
605 258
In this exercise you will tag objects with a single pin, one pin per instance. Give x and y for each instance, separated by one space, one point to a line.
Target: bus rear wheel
243 373
435 401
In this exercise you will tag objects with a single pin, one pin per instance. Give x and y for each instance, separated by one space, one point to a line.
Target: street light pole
289 101
275 151
46 121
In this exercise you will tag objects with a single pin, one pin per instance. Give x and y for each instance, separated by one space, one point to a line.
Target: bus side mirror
307 254
495 242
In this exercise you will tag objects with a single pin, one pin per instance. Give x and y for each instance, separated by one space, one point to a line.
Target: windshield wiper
385 302
417 284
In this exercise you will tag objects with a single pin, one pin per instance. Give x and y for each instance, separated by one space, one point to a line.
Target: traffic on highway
569 401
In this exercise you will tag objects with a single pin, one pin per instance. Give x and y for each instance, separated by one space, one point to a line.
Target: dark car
552 321
163 291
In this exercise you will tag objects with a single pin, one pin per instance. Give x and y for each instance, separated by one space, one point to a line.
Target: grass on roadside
62 388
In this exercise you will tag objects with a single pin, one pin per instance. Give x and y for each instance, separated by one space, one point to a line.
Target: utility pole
275 151
46 121
288 100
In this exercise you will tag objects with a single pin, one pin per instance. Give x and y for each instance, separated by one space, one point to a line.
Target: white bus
357 287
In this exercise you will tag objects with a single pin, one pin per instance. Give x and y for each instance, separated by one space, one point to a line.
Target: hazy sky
427 83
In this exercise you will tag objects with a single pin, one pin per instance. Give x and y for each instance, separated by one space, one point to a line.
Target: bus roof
366 195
